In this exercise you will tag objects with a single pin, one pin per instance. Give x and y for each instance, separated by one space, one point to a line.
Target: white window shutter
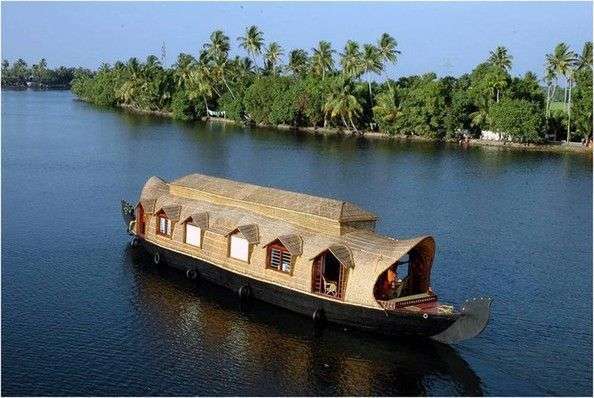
193 235
239 248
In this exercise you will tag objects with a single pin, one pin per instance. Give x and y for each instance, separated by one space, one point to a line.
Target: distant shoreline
547 147
58 87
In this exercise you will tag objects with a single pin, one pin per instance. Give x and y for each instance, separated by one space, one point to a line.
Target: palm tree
182 69
127 91
585 58
199 85
501 58
351 60
273 54
218 47
388 108
341 102
563 61
387 48
218 51
322 61
298 62
252 42
242 66
372 63
550 79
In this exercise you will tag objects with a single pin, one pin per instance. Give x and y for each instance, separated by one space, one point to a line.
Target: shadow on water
210 321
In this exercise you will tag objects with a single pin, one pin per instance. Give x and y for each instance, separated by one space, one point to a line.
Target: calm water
83 314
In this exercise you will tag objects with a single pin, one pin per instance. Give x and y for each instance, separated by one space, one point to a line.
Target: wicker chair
330 288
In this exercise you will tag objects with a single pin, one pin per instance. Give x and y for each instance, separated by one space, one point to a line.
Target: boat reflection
281 353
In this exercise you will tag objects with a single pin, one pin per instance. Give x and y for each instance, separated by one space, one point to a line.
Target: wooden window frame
278 246
162 215
341 283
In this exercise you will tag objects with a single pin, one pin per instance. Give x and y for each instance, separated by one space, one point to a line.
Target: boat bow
472 321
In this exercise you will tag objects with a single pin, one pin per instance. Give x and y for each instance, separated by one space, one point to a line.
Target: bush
233 107
270 100
181 107
519 119
582 103
309 98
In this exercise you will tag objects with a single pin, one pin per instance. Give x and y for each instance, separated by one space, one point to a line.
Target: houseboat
315 256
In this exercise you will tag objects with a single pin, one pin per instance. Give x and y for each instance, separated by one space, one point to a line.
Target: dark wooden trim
317 274
159 215
280 247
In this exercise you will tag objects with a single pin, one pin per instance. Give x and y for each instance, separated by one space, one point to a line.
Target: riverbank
19 87
547 147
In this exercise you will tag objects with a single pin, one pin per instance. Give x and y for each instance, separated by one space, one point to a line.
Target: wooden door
140 220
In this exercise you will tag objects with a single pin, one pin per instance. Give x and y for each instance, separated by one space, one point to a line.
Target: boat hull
397 323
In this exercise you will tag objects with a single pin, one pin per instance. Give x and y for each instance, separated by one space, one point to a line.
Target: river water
84 314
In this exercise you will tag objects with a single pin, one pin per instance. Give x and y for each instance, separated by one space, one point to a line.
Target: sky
448 38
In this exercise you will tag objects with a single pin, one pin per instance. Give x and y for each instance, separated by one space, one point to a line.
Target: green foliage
233 107
520 119
487 80
310 96
20 75
527 88
310 91
181 106
423 107
388 109
582 102
269 100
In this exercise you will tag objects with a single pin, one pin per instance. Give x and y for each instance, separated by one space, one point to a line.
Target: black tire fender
319 316
192 274
245 292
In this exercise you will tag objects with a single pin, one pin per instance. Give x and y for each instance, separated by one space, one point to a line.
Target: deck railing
400 302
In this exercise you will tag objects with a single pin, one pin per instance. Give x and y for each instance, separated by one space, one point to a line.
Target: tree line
324 87
19 75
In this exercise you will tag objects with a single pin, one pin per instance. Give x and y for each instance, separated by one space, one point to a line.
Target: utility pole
163 54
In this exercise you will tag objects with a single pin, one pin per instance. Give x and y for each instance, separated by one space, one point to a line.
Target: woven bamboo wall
215 250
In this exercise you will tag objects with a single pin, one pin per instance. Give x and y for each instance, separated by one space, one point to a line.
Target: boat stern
128 216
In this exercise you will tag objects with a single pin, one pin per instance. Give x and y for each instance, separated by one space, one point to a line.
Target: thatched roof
148 205
172 211
292 242
324 207
199 219
152 190
249 232
342 254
